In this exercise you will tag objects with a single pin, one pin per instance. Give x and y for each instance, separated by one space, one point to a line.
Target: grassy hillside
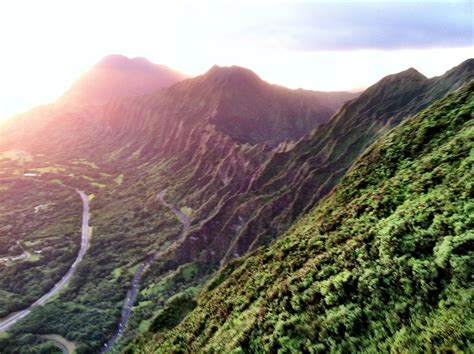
382 263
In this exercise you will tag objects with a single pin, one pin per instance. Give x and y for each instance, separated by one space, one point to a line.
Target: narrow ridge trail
133 291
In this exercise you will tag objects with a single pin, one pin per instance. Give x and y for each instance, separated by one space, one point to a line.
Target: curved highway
132 292
11 320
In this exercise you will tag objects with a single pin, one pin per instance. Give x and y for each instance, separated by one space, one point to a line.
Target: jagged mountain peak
237 102
405 76
411 72
232 75
116 76
410 80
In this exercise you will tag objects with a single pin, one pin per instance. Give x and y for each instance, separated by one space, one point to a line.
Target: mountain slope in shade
381 265
233 102
118 76
252 111
290 182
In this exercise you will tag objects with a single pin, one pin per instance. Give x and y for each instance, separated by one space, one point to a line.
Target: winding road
60 345
132 292
12 319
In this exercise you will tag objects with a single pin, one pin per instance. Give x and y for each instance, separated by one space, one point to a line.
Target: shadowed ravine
12 319
132 292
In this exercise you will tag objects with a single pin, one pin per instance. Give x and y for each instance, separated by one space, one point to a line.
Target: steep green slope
229 218
123 153
292 179
138 147
383 263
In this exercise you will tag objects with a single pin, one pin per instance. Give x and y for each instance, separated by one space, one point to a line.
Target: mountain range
295 200
377 266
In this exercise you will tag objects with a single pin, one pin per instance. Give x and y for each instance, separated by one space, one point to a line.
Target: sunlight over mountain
236 176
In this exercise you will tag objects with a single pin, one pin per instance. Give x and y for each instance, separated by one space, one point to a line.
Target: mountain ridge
240 192
118 76
378 265
290 182
233 100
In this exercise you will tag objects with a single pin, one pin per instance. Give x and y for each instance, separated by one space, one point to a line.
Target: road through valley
132 292
14 318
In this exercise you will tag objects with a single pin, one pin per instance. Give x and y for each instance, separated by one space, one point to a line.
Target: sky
334 45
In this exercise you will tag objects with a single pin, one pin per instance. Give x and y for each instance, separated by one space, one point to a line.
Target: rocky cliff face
288 183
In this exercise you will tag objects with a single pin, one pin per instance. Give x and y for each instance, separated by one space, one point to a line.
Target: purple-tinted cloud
371 25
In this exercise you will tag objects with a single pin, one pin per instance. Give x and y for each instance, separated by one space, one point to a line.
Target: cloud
312 26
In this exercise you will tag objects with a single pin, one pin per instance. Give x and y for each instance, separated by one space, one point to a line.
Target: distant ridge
250 110
117 76
291 181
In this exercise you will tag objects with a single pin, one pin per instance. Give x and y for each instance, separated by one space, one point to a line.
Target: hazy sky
341 45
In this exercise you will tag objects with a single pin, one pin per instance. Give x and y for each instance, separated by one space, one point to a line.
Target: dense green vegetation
127 225
382 264
239 196
34 252
290 180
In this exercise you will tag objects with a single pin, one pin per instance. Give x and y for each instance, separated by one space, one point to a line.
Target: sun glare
55 41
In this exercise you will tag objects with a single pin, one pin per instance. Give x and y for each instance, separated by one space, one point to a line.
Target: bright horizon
306 44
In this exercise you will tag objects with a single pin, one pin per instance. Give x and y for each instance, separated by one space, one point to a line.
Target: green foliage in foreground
382 264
